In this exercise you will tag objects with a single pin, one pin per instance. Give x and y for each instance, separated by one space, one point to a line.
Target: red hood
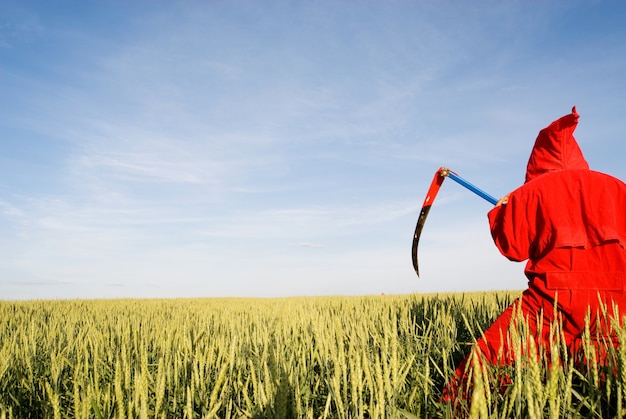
556 148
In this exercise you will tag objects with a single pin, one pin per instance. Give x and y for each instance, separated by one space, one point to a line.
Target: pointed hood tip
556 148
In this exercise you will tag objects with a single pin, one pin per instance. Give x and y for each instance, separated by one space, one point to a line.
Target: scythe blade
428 201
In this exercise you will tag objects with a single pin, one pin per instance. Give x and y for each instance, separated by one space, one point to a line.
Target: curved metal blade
430 198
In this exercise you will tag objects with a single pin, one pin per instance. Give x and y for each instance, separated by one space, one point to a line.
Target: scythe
440 175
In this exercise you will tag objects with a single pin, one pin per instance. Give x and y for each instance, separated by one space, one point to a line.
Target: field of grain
314 357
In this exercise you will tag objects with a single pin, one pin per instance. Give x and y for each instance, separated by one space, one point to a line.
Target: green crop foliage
314 357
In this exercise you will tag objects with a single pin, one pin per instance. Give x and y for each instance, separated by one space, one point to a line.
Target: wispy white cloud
310 245
42 283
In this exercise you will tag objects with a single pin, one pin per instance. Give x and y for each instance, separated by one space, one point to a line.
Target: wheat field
308 357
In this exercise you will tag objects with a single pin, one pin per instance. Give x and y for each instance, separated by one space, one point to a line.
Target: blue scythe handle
463 182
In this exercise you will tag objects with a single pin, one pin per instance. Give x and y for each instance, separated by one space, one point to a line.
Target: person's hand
503 201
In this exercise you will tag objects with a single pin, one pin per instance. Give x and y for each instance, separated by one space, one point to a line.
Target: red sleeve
513 226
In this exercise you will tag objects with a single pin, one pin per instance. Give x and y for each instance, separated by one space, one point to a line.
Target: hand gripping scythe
441 174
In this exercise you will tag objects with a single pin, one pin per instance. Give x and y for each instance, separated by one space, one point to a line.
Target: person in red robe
569 223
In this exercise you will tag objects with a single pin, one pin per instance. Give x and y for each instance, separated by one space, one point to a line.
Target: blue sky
283 148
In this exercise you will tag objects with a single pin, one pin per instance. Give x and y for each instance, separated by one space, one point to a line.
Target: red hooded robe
569 222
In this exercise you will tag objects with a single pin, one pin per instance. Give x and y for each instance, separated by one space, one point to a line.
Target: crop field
309 357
